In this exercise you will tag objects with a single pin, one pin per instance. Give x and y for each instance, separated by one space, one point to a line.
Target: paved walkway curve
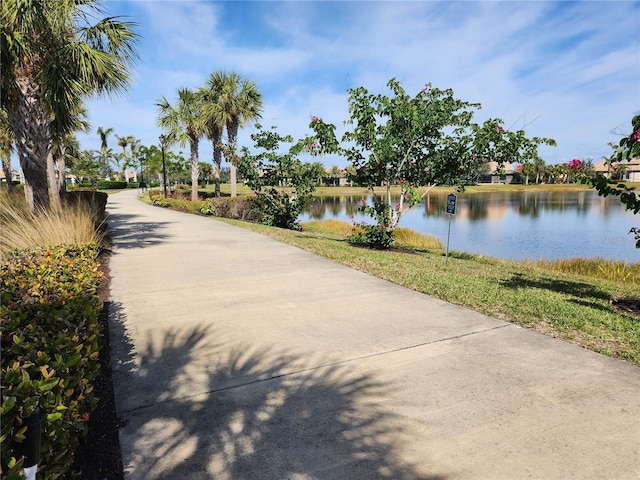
238 357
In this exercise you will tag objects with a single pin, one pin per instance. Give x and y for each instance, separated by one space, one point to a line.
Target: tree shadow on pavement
197 408
134 233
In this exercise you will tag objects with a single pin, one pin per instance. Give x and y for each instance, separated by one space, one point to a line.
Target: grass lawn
494 187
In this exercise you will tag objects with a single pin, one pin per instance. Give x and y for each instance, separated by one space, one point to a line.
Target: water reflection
480 206
514 224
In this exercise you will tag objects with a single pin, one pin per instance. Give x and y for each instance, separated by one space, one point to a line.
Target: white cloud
569 70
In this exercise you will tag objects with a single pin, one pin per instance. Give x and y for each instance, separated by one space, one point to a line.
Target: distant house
335 177
15 176
494 172
629 171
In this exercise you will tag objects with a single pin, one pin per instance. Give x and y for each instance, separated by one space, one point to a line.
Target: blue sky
566 70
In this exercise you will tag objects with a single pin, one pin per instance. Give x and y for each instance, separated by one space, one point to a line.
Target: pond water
514 225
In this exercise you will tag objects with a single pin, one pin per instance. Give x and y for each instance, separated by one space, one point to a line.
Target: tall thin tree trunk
52 179
217 165
232 134
62 168
6 168
195 169
30 125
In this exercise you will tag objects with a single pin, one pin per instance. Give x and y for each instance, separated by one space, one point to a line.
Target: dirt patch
630 305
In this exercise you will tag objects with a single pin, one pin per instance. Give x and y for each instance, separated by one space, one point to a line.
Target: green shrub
133 185
49 313
238 208
83 185
155 193
160 201
110 185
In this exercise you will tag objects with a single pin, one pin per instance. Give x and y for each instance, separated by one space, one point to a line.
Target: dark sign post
451 210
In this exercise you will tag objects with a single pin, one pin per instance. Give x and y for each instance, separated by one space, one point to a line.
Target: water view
514 225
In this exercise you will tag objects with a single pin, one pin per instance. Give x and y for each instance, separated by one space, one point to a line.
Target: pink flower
426 170
424 90
575 164
636 136
363 223
351 217
473 156
412 162
85 417
499 128
397 207
315 119
293 167
363 202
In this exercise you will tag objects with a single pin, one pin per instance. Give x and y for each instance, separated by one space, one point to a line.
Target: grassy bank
493 187
576 307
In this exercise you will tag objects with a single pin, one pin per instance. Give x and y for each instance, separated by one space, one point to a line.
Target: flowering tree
406 141
283 184
628 149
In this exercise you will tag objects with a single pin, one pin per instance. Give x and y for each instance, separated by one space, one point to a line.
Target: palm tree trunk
52 179
232 134
217 165
195 169
30 124
6 168
62 168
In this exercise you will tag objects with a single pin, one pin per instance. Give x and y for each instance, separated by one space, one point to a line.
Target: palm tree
134 146
239 102
124 143
51 55
106 153
212 111
184 123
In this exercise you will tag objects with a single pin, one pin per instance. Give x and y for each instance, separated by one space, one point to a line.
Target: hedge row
97 201
50 311
115 185
238 208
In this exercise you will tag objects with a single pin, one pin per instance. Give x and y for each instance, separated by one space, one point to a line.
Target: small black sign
451 204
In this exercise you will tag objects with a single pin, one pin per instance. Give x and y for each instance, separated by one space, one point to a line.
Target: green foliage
50 330
110 185
283 184
628 149
240 208
380 235
409 141
606 187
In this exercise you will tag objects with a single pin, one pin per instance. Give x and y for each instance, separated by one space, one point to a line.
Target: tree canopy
51 55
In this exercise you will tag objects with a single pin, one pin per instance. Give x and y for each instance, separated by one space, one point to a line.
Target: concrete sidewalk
238 357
